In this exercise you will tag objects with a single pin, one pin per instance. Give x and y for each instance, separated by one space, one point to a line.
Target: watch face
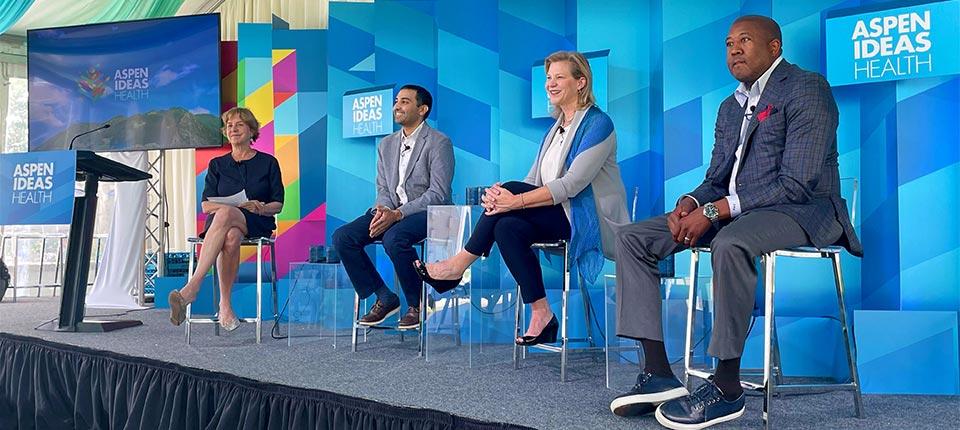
710 211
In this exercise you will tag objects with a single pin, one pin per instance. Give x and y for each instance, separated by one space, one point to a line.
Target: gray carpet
389 371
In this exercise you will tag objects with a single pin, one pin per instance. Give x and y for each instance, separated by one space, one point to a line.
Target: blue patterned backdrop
900 141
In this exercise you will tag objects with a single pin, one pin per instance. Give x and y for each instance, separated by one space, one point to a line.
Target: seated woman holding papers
242 193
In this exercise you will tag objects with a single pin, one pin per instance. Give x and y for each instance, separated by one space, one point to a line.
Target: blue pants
351 239
514 232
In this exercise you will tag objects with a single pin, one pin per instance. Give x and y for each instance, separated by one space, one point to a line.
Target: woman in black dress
244 168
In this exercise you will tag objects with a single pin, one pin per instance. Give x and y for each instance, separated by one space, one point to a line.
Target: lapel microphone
560 129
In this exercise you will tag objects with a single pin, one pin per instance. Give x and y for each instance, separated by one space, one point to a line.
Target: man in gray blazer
773 183
414 170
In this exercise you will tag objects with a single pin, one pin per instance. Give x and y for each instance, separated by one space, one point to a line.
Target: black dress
259 176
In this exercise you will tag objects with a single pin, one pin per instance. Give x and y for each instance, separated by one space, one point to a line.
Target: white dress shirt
550 165
748 100
407 143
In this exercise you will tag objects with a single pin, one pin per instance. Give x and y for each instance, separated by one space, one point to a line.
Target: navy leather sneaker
702 409
650 391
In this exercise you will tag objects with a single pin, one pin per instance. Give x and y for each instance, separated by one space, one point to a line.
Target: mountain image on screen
156 82
176 128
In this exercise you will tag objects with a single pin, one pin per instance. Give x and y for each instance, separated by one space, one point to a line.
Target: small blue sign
540 104
37 187
368 112
904 43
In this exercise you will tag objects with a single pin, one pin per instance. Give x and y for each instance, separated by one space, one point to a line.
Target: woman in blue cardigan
573 192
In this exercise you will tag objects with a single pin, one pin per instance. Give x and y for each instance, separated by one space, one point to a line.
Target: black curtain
46 385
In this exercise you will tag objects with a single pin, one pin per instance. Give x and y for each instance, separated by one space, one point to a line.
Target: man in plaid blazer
773 183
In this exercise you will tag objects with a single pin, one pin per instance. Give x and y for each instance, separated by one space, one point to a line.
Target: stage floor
387 371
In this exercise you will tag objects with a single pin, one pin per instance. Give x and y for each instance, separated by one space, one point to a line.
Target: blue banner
909 42
37 187
368 112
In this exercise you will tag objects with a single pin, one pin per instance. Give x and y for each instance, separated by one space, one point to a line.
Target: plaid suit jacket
789 162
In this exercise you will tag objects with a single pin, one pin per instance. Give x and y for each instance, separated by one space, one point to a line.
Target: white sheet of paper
234 200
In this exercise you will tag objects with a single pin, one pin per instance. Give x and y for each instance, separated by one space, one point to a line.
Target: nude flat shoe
178 307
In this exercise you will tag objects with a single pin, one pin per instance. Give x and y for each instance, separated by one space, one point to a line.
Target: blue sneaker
702 409
650 391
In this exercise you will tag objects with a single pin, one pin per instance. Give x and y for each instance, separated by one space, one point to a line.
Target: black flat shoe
548 335
441 285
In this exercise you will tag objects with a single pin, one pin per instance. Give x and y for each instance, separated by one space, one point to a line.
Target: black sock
385 295
655 358
727 379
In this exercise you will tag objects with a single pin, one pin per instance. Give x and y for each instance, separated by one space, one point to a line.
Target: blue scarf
584 248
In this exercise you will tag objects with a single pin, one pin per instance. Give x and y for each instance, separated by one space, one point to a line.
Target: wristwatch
711 212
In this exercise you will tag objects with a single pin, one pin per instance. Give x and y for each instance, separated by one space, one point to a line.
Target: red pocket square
763 115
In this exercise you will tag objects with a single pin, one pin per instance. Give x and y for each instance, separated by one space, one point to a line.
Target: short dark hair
766 24
423 97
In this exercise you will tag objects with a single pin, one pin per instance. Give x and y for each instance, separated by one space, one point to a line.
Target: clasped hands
687 223
383 218
497 200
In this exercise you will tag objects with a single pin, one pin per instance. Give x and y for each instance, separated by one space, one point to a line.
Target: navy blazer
789 160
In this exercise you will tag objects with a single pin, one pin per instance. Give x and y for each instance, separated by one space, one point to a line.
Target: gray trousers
734 248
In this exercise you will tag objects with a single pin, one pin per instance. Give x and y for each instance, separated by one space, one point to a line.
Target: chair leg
849 340
587 309
456 317
190 267
356 317
516 329
216 300
777 363
424 306
259 290
273 282
691 312
769 385
564 339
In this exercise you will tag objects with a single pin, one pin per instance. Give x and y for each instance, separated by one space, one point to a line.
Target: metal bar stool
772 370
260 243
520 352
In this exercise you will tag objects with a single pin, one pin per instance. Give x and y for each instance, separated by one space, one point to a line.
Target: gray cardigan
597 166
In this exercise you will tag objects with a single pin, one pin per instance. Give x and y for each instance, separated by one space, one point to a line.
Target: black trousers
351 239
514 232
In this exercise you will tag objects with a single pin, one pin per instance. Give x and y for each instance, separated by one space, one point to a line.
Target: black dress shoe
548 335
379 312
701 409
440 285
650 391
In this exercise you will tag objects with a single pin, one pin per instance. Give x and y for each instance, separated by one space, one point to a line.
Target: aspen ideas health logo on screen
909 42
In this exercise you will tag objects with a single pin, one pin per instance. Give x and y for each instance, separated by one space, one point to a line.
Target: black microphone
560 129
72 141
752 108
405 148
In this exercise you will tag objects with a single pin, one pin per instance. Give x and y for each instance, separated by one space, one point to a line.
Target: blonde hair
580 68
246 116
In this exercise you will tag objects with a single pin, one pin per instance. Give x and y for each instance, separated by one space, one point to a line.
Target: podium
91 168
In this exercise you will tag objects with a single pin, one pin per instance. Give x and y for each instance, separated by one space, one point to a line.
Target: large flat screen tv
155 82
